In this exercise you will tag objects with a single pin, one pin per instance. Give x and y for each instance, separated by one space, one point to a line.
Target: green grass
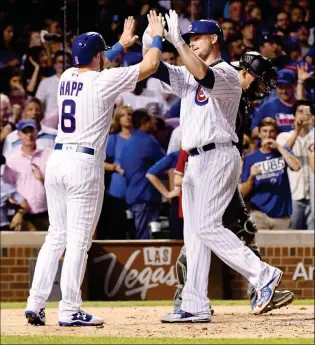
109 304
117 340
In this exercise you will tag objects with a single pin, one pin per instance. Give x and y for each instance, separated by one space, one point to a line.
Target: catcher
236 216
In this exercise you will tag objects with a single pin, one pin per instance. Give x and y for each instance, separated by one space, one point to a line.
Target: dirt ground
227 322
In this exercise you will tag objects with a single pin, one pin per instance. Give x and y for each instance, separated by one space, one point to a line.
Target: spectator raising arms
265 180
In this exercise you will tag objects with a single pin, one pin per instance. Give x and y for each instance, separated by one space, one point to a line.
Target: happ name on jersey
68 88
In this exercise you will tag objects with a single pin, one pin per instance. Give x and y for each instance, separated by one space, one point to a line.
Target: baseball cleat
36 319
280 299
183 316
81 319
178 303
265 294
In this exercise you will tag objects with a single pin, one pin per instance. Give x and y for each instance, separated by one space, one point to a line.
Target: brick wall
15 264
287 259
15 272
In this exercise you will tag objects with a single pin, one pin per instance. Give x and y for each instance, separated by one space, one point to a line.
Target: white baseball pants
74 185
208 186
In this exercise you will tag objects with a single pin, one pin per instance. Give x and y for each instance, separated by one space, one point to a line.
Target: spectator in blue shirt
279 108
265 180
139 154
114 209
168 163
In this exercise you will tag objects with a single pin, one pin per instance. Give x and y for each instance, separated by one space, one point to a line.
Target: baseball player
210 90
74 178
236 217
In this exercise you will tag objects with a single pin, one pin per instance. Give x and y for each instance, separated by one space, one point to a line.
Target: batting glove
147 39
173 34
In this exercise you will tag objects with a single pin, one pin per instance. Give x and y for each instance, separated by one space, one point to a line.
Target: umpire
236 217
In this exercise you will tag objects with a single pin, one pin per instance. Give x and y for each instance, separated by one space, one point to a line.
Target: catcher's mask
264 72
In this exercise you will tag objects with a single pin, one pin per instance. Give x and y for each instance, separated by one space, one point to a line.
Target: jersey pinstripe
92 94
207 115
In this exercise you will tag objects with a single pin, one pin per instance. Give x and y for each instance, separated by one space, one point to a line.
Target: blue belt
81 149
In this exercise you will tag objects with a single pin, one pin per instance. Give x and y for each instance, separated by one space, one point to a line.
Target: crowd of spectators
142 156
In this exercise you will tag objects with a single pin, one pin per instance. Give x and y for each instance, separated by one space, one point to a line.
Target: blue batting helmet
204 27
86 46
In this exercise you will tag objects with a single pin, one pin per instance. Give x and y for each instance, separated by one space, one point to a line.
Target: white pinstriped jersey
86 101
207 115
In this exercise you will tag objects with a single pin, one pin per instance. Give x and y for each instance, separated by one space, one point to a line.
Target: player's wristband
157 42
114 52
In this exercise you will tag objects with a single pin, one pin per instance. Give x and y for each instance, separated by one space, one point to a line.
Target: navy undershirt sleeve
208 80
162 73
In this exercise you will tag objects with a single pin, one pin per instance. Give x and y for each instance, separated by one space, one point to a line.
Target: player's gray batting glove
173 34
147 39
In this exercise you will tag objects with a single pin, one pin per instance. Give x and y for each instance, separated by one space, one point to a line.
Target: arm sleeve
182 159
114 81
163 164
246 170
173 79
221 82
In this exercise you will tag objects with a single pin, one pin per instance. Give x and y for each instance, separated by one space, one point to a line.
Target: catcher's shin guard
181 272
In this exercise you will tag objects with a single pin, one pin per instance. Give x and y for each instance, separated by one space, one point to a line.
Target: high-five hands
128 38
173 34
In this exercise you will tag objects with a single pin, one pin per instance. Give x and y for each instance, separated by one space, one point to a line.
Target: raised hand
156 24
147 37
302 71
128 38
173 34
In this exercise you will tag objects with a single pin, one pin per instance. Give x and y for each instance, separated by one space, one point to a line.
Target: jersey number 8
67 116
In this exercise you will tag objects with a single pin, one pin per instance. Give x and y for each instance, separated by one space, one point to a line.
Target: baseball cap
205 27
286 76
25 123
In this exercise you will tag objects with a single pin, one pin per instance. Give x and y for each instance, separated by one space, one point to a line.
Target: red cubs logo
311 148
201 98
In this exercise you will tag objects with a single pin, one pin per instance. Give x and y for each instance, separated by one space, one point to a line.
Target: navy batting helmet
86 46
204 27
